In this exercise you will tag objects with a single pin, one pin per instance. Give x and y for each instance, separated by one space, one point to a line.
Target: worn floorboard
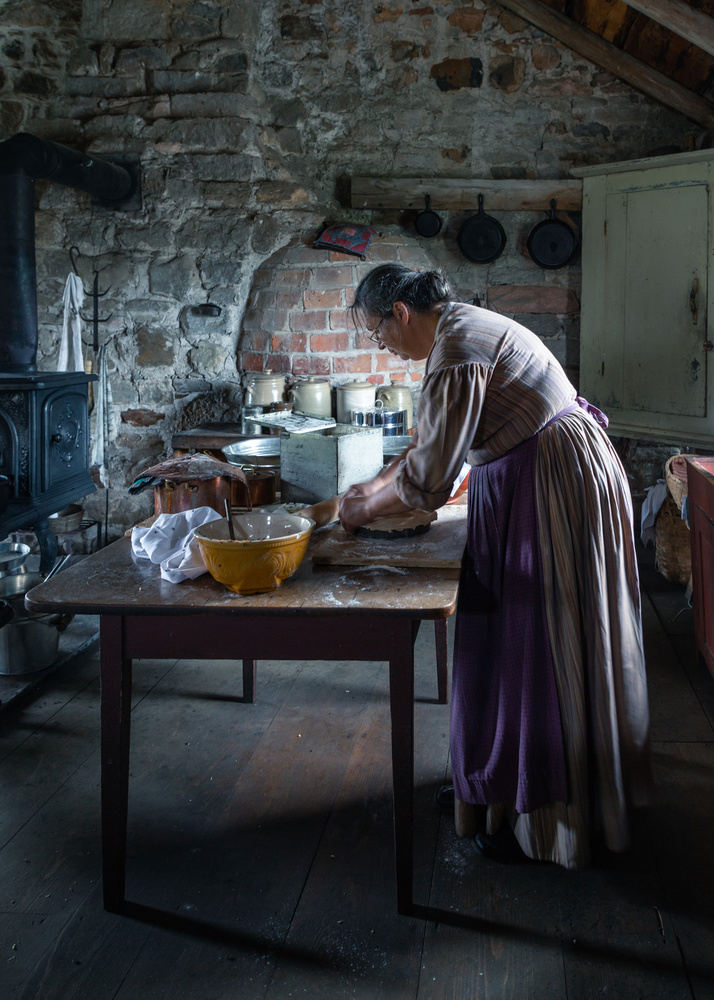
266 829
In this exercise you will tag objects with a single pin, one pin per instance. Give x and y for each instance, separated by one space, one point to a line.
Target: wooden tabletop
111 581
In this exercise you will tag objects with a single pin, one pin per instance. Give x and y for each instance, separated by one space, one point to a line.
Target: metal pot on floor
28 642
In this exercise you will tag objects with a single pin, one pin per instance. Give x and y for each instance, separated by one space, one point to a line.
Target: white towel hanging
70 354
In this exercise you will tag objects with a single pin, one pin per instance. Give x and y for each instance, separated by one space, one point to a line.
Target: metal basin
12 556
256 453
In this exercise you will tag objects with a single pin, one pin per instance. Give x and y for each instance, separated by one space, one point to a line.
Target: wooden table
322 614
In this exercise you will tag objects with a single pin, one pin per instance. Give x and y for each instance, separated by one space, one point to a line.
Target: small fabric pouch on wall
346 238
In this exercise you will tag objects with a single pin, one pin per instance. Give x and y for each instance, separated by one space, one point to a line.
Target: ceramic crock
351 396
396 396
311 395
263 388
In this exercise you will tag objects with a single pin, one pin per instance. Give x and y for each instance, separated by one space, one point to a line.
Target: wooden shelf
461 195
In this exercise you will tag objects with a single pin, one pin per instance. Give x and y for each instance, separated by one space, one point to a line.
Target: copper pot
261 489
171 498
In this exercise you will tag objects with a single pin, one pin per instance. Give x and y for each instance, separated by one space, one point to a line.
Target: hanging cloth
104 420
70 354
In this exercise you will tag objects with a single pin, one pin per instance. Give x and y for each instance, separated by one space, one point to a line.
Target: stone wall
249 120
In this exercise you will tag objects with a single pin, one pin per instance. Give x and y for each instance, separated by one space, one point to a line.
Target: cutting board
440 547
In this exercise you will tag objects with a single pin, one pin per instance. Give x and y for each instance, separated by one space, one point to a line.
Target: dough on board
414 522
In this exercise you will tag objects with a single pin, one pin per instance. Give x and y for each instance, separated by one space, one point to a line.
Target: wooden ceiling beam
686 21
608 57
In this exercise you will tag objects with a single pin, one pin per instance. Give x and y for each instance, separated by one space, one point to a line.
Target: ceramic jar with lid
263 388
397 396
354 395
311 395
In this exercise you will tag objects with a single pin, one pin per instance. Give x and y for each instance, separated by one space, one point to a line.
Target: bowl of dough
267 550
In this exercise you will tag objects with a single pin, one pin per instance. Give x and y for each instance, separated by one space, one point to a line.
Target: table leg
115 672
401 697
249 674
441 635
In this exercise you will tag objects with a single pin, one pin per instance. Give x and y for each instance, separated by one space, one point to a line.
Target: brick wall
297 319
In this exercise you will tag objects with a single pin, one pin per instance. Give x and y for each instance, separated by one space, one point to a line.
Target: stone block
177 277
131 61
197 19
219 271
213 105
209 358
155 349
101 86
142 418
188 386
126 20
148 310
35 84
169 81
453 74
469 20
507 73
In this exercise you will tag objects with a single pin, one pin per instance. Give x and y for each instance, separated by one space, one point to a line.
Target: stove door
65 437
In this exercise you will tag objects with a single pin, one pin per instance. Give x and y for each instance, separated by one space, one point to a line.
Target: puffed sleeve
447 418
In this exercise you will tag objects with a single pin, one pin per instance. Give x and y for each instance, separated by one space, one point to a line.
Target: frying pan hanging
427 223
552 243
481 238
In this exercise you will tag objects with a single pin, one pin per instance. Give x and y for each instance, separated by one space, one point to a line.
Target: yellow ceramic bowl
271 553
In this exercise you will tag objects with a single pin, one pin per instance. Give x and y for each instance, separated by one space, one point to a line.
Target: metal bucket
28 642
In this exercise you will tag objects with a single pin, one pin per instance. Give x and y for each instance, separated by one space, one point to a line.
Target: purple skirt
506 733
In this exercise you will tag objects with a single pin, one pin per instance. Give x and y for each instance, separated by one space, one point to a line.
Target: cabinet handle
693 307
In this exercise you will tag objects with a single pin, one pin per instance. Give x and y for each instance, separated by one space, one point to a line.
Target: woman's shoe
501 847
445 798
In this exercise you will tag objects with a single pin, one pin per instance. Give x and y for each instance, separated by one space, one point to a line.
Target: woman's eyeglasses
374 334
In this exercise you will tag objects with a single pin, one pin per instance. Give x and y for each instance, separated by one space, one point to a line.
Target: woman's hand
354 510
361 506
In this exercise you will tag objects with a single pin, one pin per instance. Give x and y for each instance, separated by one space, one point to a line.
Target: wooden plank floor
266 829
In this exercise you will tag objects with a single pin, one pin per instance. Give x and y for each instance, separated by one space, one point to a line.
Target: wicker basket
673 556
677 487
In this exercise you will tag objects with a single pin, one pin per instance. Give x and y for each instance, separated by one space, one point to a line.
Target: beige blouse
489 384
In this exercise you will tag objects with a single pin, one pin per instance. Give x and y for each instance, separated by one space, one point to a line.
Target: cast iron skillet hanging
427 223
552 243
481 238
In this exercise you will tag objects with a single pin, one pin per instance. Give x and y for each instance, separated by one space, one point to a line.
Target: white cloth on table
70 353
170 543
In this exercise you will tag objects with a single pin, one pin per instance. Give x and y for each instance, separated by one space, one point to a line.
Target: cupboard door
666 372
645 332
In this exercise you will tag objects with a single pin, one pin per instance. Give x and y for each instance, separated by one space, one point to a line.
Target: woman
549 718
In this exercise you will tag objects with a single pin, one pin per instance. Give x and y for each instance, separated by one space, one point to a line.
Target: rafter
608 57
686 21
